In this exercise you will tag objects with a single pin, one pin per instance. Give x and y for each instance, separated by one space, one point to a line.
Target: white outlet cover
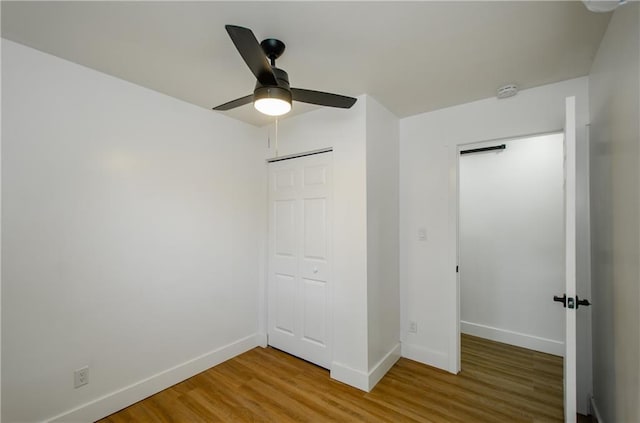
81 377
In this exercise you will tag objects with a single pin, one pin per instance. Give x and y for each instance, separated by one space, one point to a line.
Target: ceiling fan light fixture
272 101
272 94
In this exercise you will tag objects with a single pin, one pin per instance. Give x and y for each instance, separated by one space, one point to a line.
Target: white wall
511 242
427 200
382 236
345 132
614 84
130 238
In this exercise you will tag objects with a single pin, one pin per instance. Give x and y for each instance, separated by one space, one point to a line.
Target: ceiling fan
272 94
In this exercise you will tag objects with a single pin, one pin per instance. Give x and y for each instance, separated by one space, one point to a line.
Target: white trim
263 307
453 288
511 138
1 238
594 410
262 340
426 356
518 339
117 400
352 377
366 381
383 366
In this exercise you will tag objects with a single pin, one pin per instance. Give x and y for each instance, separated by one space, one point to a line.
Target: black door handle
578 301
562 299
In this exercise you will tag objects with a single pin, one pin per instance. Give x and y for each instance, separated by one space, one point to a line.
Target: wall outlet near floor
413 327
81 377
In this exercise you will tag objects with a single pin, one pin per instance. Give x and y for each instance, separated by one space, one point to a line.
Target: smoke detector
507 91
603 6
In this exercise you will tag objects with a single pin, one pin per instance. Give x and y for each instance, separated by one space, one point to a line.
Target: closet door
299 279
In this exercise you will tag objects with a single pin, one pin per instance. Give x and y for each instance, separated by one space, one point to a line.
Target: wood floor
498 383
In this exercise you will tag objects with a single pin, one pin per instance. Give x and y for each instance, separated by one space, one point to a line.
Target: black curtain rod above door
295 156
479 150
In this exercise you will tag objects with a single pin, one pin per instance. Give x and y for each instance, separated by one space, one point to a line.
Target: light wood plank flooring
498 383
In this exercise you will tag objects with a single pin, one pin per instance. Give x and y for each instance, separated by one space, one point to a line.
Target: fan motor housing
281 76
272 92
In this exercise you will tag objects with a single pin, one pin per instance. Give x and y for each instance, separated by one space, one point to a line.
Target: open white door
570 260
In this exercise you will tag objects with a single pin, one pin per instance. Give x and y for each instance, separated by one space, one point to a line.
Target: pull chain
276 137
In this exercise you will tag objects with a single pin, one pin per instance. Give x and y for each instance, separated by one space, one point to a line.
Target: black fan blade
322 99
235 103
252 53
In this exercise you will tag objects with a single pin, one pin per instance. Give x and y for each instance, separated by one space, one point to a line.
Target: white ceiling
413 57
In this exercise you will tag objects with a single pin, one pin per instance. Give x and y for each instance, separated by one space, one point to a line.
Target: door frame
453 249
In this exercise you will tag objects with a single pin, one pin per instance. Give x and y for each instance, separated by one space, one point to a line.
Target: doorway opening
511 257
511 241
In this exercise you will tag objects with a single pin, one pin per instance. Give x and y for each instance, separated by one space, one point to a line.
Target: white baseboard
518 339
594 411
383 366
114 401
352 377
365 381
262 340
426 356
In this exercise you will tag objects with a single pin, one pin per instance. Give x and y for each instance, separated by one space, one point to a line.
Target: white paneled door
299 281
